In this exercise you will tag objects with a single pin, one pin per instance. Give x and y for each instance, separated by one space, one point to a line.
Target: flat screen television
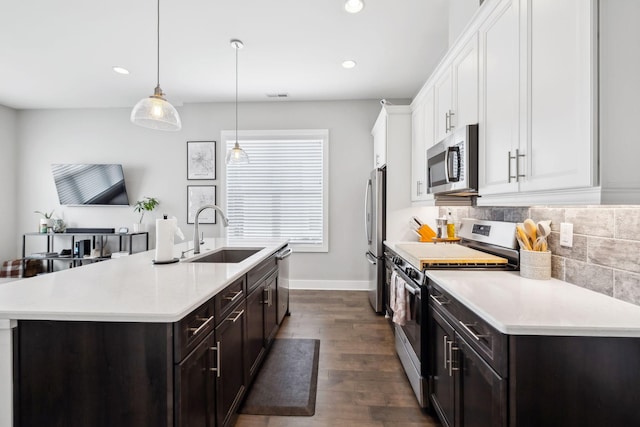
90 184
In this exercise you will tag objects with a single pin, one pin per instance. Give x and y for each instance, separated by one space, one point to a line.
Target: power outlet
566 234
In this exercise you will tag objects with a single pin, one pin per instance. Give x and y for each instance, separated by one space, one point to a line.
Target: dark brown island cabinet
194 372
481 377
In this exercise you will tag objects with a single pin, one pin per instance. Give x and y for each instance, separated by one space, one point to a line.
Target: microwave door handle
452 175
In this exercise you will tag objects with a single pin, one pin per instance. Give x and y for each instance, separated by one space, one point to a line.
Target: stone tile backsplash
605 256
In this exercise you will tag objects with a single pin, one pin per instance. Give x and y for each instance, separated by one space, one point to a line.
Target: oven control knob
397 260
412 274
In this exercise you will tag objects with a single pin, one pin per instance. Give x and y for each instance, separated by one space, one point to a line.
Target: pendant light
237 155
155 112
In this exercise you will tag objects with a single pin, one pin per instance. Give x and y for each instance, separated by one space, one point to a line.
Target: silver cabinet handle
418 188
371 259
444 350
518 174
195 331
510 177
451 126
217 350
451 350
437 301
238 315
467 328
517 157
235 296
446 122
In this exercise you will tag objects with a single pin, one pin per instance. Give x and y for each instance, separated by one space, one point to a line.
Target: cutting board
429 253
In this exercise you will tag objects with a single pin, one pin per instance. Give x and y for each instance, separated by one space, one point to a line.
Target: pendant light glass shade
155 112
236 155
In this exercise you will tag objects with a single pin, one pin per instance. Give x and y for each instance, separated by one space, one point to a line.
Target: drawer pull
473 334
450 361
234 297
238 315
437 301
217 350
195 331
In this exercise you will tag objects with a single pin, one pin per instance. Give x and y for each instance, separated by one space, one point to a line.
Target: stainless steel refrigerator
375 232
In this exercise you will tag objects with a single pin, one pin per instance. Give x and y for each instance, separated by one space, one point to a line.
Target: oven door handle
412 290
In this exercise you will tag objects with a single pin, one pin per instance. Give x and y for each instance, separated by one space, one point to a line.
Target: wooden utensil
531 229
524 239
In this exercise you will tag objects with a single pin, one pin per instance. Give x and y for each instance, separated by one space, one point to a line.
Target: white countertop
131 288
518 306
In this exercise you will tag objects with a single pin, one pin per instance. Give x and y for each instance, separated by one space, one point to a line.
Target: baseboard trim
329 285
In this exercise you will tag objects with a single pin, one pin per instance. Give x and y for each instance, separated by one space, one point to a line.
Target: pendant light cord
237 48
158 46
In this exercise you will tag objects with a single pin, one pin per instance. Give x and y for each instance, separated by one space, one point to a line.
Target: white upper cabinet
456 90
379 133
422 137
498 127
560 95
537 94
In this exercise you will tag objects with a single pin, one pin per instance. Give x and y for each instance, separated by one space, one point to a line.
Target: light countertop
518 306
131 288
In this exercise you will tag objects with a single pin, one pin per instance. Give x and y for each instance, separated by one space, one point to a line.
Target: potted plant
145 205
45 221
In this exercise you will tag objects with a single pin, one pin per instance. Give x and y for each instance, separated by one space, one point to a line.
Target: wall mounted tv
90 184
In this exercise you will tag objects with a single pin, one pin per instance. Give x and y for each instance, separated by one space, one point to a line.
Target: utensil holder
535 265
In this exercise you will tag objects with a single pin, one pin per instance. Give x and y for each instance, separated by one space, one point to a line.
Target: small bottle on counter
451 226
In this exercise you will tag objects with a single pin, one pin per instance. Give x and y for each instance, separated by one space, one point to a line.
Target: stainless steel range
483 245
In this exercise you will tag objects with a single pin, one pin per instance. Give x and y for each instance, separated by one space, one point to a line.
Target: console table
125 240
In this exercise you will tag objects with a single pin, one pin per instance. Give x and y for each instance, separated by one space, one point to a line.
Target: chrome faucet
196 240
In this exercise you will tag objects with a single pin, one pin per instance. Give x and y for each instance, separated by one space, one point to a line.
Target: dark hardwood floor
360 379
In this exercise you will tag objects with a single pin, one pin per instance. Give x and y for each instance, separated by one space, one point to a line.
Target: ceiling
60 54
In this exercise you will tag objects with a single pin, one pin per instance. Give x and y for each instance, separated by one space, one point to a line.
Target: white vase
139 228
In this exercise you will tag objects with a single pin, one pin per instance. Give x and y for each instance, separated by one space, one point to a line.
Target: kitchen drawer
228 298
490 343
189 331
260 272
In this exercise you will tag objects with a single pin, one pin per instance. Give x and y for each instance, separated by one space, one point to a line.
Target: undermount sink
227 256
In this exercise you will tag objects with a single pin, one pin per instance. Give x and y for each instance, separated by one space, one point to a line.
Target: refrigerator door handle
367 211
372 260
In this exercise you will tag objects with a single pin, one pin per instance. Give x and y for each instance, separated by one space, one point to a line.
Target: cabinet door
499 131
270 308
443 370
443 92
465 85
379 133
419 142
561 80
230 381
483 397
255 332
195 400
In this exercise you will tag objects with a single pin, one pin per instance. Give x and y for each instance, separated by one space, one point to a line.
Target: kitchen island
126 299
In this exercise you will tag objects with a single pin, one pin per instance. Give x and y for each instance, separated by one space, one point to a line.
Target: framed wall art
198 196
201 160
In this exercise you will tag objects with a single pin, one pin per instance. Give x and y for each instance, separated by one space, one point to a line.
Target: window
282 192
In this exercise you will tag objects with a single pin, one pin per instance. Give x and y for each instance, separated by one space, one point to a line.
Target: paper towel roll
165 230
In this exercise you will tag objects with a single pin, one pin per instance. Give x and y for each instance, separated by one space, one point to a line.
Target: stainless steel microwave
452 164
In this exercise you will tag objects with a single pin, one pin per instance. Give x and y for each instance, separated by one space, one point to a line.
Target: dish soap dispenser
451 227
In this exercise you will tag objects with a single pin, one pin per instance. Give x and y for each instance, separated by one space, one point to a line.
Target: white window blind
281 193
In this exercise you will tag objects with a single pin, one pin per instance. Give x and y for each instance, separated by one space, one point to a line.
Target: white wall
155 165
460 13
8 160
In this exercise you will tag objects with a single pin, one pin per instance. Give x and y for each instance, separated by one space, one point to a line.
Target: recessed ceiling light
349 64
353 6
120 70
